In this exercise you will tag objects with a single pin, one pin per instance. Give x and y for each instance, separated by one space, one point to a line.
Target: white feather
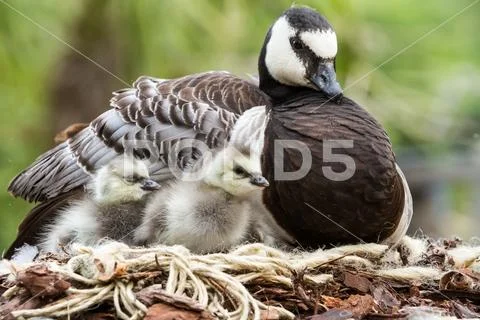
280 59
322 43
249 130
198 232
25 254
77 223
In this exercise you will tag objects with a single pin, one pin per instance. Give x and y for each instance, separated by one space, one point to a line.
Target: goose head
299 51
124 179
236 172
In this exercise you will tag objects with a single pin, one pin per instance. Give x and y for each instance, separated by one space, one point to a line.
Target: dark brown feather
367 206
69 132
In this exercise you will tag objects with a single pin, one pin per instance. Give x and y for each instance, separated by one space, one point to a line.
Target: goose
111 208
216 215
149 119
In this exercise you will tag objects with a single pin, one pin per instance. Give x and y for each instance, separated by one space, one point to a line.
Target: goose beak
325 79
149 185
258 180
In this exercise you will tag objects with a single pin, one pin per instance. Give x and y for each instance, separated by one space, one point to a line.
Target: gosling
210 214
112 207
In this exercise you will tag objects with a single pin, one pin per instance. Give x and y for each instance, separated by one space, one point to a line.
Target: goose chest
322 207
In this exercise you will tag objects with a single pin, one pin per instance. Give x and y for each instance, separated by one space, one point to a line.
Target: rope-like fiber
215 281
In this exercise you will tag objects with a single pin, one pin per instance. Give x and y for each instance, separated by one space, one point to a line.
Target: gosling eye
132 179
240 171
296 44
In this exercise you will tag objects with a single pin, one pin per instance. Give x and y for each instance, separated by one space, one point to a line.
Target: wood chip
463 312
270 314
155 294
385 298
23 301
40 281
162 311
357 282
358 305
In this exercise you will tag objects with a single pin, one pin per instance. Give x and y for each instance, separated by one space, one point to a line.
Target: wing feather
147 119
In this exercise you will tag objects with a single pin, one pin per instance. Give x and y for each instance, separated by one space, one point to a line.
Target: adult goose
297 60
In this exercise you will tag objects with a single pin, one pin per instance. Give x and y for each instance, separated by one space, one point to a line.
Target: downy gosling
210 214
112 207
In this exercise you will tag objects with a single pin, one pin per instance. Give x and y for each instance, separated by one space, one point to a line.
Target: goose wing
147 119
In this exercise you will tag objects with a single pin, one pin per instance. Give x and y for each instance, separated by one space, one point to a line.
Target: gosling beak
149 185
325 79
258 180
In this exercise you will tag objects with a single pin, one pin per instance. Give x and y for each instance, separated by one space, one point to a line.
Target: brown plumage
69 132
367 206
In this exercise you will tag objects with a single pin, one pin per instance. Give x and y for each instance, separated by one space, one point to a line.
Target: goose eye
129 179
132 179
296 44
240 171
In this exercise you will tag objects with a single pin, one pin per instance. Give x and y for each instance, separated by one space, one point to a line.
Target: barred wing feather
147 119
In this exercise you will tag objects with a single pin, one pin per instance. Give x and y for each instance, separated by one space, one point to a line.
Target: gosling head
122 180
299 51
235 172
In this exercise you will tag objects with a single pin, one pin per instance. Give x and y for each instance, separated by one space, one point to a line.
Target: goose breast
316 209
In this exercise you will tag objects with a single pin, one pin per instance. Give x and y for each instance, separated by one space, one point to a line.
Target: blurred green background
426 91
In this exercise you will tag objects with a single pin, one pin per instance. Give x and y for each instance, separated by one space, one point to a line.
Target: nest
420 279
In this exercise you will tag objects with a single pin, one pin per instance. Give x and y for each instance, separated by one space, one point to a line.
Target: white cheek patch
280 59
322 43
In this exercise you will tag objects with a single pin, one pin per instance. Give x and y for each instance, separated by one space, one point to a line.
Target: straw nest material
420 279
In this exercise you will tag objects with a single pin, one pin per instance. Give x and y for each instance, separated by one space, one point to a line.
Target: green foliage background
414 64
